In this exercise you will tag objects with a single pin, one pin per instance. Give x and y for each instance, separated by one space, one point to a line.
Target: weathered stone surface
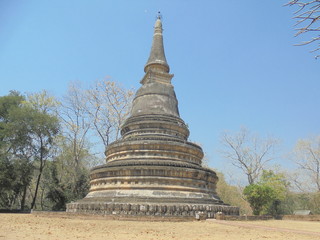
153 209
153 169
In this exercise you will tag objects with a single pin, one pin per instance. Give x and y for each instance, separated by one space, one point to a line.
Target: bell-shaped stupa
153 169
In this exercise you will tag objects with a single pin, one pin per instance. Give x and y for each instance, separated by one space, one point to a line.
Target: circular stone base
150 209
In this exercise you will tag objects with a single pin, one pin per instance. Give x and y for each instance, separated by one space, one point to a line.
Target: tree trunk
41 199
250 179
23 200
36 191
39 176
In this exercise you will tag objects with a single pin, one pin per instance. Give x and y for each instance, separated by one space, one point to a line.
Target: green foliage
16 170
277 181
57 192
27 137
232 195
259 196
60 191
280 186
7 177
65 179
301 201
7 103
267 195
42 166
31 133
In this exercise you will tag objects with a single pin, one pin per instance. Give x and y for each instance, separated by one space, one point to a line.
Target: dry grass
34 227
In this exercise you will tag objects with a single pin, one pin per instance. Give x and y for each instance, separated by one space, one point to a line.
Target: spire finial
157 58
159 16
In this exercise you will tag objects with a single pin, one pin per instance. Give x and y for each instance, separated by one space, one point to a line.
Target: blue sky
234 61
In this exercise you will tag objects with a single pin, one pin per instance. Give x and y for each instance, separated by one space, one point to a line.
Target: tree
62 188
308 15
15 176
307 157
108 105
33 137
280 185
27 132
42 102
66 175
278 181
75 121
15 166
266 196
259 197
45 152
301 200
66 180
248 152
232 195
99 110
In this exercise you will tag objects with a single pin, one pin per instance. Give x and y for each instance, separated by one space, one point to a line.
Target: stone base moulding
127 209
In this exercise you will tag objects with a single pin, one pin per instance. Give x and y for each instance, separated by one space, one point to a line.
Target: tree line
49 144
268 188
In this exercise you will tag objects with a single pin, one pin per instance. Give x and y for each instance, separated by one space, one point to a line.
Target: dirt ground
34 227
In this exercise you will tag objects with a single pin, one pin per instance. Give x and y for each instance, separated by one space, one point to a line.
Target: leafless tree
75 120
95 111
248 152
308 17
307 157
108 105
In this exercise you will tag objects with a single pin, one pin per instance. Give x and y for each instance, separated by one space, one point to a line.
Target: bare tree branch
76 122
308 13
108 105
307 157
248 153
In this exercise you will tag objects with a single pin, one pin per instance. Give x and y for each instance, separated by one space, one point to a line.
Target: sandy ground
34 227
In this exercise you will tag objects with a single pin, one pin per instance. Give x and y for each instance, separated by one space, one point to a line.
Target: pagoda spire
157 58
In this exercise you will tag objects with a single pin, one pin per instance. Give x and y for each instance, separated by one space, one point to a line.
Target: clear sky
234 61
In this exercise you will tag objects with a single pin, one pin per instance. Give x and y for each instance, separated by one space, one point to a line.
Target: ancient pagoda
153 169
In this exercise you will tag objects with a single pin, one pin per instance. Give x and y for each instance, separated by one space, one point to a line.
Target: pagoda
153 169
